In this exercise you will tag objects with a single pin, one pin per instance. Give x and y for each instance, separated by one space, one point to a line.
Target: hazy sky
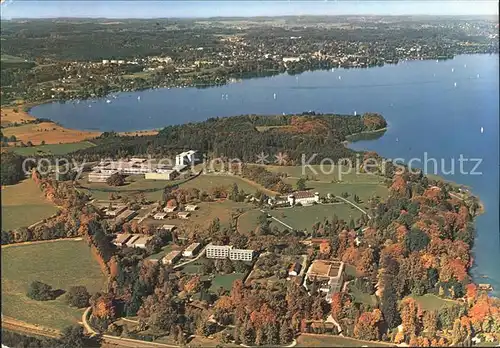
207 8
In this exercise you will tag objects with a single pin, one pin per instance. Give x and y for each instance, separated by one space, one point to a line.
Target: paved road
277 220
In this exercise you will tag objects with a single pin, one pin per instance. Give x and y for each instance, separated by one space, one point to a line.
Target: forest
293 135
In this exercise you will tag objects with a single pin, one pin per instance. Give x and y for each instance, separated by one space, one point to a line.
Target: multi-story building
227 251
303 197
217 251
241 255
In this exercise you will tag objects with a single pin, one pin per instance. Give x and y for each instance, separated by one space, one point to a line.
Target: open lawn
335 341
23 204
430 302
52 149
302 218
365 191
225 280
362 297
336 173
208 181
61 264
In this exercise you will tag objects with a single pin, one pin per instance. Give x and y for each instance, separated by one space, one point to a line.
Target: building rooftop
143 239
167 227
171 256
323 268
122 237
303 194
192 247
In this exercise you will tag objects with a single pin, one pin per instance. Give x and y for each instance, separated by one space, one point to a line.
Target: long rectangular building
227 251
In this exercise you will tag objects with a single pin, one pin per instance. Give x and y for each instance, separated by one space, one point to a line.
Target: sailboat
355 113
465 65
340 77
455 84
477 76
452 69
108 101
139 97
274 96
482 130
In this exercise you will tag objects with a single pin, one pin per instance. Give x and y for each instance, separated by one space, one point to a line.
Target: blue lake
434 110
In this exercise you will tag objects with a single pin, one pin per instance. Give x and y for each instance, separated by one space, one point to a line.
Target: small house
168 228
184 215
168 209
191 207
160 216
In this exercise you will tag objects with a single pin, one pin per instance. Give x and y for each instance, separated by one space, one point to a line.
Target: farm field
49 132
432 302
52 149
302 218
61 264
21 198
9 116
335 341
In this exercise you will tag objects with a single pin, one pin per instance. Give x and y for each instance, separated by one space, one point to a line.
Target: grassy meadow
23 204
61 264
52 149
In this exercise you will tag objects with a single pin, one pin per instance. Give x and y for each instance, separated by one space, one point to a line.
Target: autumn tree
409 317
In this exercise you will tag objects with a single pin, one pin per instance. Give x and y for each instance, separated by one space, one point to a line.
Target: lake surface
428 115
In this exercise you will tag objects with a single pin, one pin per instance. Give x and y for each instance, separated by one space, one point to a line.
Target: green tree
301 184
40 291
72 337
116 179
78 296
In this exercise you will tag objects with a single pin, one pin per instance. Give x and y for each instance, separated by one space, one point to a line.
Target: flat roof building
121 239
329 275
191 250
125 216
171 257
142 242
160 216
227 251
183 215
168 228
131 241
191 207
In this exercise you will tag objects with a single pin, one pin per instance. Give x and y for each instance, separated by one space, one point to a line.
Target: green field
23 204
335 341
208 181
225 280
362 297
302 218
329 173
134 184
52 149
61 264
430 302
248 221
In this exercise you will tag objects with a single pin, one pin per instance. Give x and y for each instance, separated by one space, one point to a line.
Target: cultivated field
9 116
23 204
52 149
61 264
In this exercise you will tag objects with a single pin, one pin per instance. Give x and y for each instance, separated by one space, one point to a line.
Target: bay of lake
434 110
